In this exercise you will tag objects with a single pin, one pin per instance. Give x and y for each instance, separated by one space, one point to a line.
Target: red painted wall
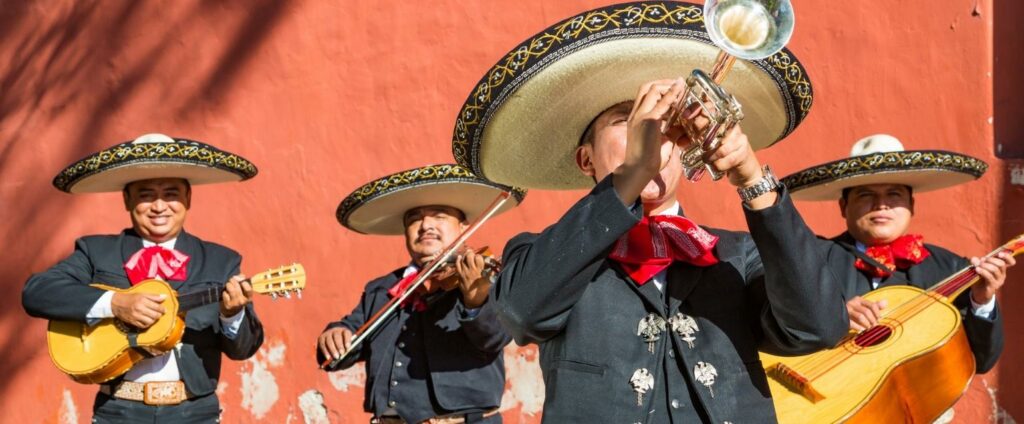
324 96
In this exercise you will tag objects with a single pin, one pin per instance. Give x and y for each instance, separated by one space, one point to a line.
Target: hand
736 159
993 274
139 310
237 294
864 313
472 282
334 342
650 141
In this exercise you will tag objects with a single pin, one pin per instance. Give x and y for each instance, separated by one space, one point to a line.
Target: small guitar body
98 353
912 371
101 352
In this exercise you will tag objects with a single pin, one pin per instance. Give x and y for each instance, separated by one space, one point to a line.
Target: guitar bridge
792 380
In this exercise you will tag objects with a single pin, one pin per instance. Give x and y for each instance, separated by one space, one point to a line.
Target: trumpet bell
749 29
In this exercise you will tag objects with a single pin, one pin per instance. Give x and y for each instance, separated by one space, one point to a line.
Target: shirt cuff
101 309
983 311
470 313
229 326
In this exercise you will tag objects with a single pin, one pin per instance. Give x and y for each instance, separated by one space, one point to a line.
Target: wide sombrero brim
924 170
523 121
379 206
109 170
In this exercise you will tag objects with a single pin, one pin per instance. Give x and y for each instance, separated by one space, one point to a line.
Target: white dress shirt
163 367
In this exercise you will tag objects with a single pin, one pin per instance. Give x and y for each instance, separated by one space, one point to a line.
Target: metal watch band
767 183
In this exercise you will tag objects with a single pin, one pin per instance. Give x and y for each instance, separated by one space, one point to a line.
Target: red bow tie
902 253
156 262
654 243
418 304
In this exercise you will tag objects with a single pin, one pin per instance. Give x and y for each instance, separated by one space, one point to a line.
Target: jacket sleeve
546 274
804 309
63 292
483 330
352 321
250 334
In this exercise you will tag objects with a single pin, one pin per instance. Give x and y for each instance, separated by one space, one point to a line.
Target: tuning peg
273 295
287 294
298 293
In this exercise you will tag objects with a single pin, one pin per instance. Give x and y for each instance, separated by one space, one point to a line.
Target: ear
842 207
583 159
124 195
911 205
188 197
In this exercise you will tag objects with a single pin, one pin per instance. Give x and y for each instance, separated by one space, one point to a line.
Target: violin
446 277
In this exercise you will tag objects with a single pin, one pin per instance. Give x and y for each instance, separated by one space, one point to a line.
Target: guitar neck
199 298
281 281
954 285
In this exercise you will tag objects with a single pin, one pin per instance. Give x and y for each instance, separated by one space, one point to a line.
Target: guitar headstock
1015 246
281 281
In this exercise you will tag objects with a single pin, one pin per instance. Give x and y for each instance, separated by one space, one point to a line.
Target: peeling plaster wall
324 96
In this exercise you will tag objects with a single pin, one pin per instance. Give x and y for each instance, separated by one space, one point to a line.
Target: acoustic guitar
911 367
98 353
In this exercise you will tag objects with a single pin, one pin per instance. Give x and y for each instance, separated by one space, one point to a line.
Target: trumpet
745 29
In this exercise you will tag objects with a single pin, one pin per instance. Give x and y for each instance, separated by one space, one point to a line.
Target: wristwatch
767 183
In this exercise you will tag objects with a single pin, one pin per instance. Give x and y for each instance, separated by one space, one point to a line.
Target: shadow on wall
72 70
1008 105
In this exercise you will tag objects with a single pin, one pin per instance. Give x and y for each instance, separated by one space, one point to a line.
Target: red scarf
156 262
654 243
418 304
902 253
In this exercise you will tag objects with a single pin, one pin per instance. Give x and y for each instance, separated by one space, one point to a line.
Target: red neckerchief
654 243
418 304
156 262
902 253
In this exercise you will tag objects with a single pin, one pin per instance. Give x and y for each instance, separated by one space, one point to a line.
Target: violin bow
389 308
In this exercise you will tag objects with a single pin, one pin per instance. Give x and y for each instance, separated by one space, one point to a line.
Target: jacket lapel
648 292
189 245
682 279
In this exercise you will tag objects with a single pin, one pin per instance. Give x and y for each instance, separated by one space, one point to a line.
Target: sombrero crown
153 156
524 119
881 159
379 206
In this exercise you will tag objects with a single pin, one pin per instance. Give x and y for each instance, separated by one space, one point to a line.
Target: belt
150 393
445 419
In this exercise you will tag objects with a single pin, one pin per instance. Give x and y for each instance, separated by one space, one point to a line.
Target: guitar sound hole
873 336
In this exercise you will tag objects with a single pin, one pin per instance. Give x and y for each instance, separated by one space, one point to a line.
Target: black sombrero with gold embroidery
881 159
379 207
523 120
153 156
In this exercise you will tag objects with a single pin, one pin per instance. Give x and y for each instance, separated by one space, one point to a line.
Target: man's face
877 213
158 207
608 150
429 229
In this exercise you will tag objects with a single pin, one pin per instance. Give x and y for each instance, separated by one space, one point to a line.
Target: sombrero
379 207
523 121
153 156
881 159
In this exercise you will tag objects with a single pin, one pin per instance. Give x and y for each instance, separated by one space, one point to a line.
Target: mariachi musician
641 314
155 175
438 358
875 189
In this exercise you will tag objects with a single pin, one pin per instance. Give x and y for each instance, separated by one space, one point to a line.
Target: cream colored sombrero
153 156
522 122
881 159
379 207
